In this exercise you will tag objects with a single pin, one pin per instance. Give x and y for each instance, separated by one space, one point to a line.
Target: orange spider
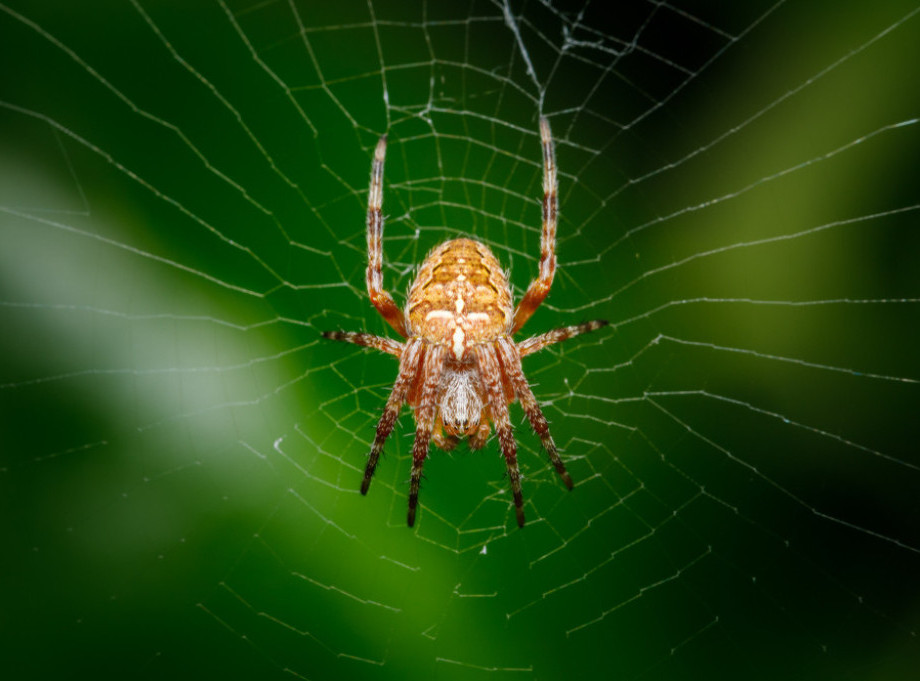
459 369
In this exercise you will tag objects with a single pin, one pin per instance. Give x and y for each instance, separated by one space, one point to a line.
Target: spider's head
461 406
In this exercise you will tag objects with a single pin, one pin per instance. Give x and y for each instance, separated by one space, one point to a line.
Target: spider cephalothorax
459 369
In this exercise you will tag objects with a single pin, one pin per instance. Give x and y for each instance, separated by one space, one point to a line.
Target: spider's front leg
408 372
490 373
425 414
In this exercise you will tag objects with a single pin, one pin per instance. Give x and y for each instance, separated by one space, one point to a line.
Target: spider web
181 206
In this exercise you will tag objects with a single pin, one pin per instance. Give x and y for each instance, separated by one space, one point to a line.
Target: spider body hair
461 400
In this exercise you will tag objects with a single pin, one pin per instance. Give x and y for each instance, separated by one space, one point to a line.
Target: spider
459 369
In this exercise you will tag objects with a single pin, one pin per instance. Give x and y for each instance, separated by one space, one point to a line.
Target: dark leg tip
520 516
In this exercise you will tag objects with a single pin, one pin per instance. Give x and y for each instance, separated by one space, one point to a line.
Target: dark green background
182 188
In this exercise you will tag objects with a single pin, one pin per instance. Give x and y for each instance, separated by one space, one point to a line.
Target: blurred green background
182 196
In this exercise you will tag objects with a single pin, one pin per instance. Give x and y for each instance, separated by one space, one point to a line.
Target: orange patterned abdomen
460 297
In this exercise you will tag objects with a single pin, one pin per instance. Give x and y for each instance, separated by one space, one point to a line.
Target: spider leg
381 299
539 287
528 346
424 421
368 340
408 370
491 374
512 368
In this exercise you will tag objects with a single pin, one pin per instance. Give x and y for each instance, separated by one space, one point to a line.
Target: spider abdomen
460 297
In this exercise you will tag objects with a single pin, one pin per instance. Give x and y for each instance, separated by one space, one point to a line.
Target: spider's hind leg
380 297
539 287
